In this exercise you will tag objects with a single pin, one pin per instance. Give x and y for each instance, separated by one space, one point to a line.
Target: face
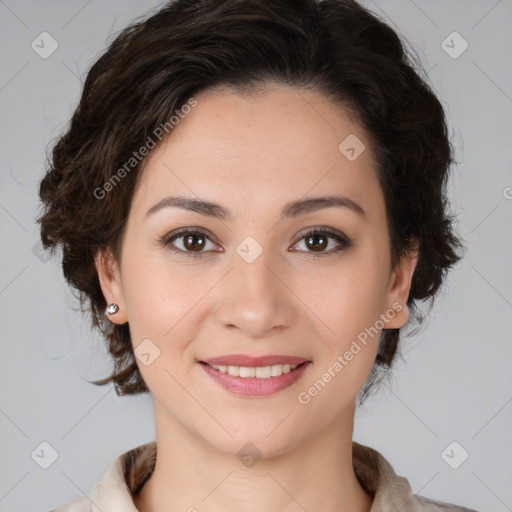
263 278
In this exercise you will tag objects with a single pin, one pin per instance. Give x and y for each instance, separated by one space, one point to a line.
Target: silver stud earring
112 309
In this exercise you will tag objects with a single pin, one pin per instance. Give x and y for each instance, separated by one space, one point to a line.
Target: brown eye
322 242
317 242
194 242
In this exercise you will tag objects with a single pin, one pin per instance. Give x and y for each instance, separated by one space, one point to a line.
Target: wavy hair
151 69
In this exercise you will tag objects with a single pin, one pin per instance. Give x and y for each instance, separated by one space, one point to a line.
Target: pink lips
254 386
250 362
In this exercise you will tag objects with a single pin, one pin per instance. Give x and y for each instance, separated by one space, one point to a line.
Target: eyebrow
290 210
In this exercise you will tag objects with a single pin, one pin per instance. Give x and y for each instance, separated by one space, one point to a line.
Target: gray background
455 383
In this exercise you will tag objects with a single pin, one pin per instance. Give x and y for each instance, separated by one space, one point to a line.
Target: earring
112 309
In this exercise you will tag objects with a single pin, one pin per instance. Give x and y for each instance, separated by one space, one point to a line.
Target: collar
129 472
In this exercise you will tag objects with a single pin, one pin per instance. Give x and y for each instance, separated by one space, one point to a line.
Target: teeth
261 372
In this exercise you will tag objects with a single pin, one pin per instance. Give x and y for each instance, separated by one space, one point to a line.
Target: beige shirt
127 475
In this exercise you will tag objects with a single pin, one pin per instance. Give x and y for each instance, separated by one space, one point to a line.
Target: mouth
255 380
259 372
243 360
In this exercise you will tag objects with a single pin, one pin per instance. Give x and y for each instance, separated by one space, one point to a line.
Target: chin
251 438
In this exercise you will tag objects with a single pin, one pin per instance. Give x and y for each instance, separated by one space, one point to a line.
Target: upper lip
250 361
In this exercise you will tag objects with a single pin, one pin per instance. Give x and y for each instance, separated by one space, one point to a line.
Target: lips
255 386
250 361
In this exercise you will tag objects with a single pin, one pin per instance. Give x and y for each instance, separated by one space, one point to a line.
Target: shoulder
391 491
124 477
79 505
427 505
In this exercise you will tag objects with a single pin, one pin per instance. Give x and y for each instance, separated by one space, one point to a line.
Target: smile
258 380
261 372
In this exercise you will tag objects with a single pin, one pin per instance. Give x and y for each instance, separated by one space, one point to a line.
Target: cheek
350 295
349 299
159 298
160 305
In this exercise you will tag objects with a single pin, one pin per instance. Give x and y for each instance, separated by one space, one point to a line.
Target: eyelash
343 241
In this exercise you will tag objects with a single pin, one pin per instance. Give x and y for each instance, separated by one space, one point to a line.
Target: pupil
190 245
321 245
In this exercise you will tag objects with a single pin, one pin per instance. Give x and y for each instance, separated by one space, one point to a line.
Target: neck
192 475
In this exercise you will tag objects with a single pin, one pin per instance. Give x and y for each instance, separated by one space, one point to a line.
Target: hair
154 66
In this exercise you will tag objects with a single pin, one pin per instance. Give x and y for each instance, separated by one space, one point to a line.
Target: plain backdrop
454 384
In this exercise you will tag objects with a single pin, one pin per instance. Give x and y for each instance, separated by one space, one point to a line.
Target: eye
188 241
193 242
317 240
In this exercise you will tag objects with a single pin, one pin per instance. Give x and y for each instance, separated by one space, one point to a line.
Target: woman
251 201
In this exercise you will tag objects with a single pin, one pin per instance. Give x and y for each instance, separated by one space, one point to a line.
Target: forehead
296 121
278 144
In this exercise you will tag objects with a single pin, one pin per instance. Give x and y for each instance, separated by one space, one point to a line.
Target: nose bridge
251 264
251 297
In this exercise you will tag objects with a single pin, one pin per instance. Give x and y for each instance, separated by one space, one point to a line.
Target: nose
253 297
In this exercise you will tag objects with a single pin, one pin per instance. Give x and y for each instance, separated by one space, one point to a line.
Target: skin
253 155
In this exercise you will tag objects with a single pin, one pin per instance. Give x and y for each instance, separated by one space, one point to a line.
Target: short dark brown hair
154 66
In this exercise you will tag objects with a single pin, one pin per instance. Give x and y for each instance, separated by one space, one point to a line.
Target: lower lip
253 386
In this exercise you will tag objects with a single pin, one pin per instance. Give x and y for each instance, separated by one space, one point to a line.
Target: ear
110 281
398 290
